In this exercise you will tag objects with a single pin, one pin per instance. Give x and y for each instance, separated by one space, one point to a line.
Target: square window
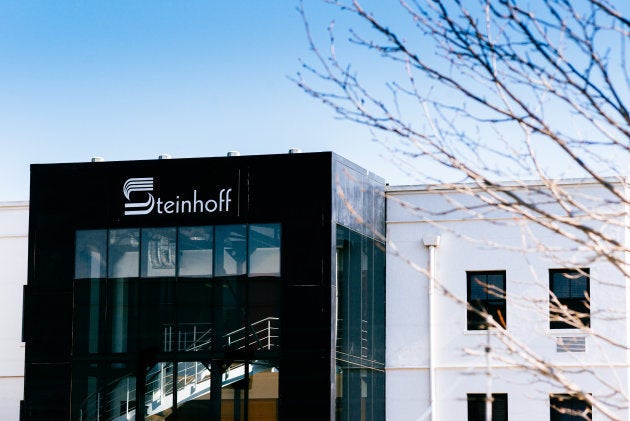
564 407
486 296
477 407
569 306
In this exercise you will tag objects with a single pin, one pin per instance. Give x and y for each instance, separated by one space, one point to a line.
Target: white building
432 353
14 252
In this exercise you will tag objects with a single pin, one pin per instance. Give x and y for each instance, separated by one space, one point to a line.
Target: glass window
117 315
159 252
360 323
193 377
564 407
195 247
264 318
264 250
571 289
486 296
90 254
103 391
89 308
477 407
230 250
123 253
195 315
158 390
233 328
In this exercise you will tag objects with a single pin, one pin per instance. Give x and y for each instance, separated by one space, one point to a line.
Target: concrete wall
13 272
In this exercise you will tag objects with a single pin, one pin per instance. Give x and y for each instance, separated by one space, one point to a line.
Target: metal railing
116 401
263 334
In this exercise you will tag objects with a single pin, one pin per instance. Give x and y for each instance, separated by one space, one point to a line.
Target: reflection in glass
90 254
158 397
153 313
150 292
249 391
159 252
233 332
193 391
103 392
360 330
195 311
264 250
123 255
233 391
263 307
118 297
87 309
263 391
195 251
230 250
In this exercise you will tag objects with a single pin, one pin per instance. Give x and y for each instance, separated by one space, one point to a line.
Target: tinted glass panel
159 252
234 332
158 398
360 310
123 253
264 250
117 315
102 391
263 391
230 250
193 377
195 249
91 254
89 305
158 296
194 315
152 313
263 307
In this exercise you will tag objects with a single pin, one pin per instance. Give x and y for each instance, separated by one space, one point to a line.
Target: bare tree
497 101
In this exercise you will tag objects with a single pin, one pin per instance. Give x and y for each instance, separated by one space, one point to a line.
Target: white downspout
432 241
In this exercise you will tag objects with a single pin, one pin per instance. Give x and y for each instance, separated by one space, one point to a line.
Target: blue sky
134 79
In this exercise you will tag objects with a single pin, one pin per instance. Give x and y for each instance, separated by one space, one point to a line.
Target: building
205 288
436 347
14 252
271 274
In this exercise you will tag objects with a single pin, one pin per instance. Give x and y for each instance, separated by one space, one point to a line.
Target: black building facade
230 288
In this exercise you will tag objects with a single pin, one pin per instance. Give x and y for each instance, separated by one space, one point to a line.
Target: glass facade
360 327
236 288
218 304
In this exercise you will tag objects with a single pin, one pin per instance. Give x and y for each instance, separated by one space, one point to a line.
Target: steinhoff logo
144 202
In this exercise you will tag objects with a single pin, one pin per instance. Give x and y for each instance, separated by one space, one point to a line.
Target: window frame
496 307
480 399
112 253
576 304
572 400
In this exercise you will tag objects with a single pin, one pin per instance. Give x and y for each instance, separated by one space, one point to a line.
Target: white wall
13 272
494 242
